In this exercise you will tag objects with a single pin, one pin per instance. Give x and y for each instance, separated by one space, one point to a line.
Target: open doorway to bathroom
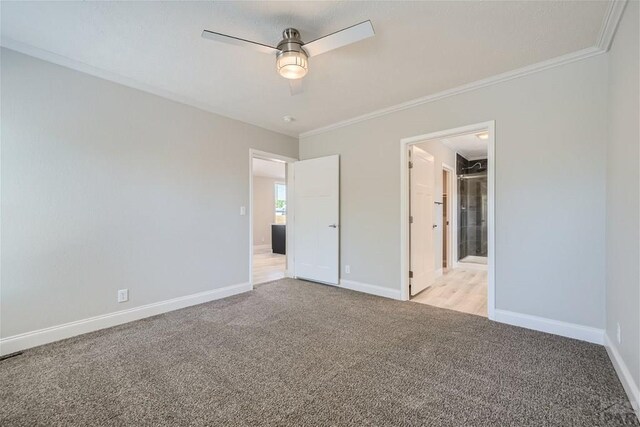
449 198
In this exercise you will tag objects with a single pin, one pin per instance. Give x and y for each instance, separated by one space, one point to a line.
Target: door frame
264 155
488 126
451 235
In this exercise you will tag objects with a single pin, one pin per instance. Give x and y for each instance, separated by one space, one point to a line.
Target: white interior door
422 183
316 216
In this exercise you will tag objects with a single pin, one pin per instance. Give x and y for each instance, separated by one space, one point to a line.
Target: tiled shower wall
472 208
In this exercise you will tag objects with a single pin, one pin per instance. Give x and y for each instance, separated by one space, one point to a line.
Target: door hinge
410 274
410 165
411 220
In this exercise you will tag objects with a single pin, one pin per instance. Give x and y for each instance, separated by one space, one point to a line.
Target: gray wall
550 187
623 204
106 187
264 208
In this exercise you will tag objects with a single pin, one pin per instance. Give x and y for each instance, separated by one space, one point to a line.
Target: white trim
608 29
111 76
291 229
404 205
451 235
439 272
264 155
371 289
499 78
491 217
550 326
267 246
67 330
629 385
610 24
607 32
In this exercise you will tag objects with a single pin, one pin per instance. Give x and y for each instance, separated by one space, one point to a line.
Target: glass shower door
472 216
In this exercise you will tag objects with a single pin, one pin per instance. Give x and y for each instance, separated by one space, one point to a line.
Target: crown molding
607 32
63 61
610 24
605 38
499 78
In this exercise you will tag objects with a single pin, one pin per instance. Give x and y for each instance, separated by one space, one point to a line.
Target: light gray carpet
296 353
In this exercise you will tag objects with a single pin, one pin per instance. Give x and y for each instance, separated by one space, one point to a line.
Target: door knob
434 226
333 226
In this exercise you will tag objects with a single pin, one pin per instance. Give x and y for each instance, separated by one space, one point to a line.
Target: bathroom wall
463 165
472 208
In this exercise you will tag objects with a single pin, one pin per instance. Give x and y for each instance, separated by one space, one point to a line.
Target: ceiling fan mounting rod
291 41
291 33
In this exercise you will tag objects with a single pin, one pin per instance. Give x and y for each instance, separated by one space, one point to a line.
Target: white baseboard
439 272
55 333
565 329
630 386
265 246
371 289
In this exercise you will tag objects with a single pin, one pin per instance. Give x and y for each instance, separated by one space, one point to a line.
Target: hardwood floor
458 289
267 266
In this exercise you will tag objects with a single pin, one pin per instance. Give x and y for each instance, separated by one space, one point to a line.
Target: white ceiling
269 169
420 48
468 146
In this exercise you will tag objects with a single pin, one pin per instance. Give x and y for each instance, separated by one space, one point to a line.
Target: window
281 203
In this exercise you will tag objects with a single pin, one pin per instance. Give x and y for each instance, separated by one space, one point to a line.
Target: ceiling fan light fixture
292 54
292 65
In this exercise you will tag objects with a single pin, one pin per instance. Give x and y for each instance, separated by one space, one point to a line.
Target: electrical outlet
347 269
243 210
618 334
123 295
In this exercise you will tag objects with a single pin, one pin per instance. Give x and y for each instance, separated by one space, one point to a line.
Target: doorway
313 194
269 229
452 265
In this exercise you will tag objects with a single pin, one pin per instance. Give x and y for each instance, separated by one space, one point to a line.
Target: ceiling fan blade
340 38
295 86
223 38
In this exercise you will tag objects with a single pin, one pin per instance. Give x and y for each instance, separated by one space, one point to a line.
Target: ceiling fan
292 54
